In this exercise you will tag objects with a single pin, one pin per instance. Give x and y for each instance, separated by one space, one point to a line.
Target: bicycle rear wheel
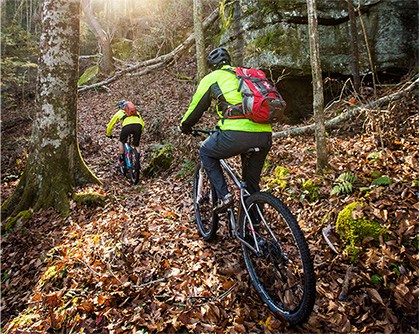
282 271
134 170
204 199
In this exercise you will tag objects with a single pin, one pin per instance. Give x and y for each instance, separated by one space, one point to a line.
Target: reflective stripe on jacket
127 120
221 85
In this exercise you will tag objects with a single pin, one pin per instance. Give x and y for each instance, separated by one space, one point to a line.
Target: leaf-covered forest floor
137 264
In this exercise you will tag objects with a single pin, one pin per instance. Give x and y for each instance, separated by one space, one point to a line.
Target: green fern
344 184
347 177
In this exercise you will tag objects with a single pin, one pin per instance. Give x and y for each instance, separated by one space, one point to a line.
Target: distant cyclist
132 123
234 136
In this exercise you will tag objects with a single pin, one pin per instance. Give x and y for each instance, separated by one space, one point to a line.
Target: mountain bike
274 248
131 166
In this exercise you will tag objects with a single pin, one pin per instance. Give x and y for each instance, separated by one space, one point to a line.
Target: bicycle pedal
222 213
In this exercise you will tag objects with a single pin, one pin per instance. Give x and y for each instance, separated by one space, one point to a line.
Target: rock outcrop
274 35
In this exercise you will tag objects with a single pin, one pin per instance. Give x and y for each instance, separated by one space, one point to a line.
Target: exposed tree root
35 192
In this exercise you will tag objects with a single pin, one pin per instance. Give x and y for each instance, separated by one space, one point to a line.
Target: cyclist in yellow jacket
234 136
132 123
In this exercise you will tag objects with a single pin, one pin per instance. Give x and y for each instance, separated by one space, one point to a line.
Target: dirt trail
138 263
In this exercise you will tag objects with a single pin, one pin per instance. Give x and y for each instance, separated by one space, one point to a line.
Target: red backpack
261 102
129 108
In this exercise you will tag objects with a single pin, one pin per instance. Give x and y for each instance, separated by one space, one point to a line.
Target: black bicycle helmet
217 58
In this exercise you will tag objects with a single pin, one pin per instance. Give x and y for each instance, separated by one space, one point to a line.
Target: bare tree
199 40
318 99
55 166
104 39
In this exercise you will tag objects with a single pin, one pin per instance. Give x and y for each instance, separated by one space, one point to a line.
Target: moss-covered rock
353 228
161 160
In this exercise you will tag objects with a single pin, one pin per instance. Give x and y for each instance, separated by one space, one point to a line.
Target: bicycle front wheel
134 170
277 258
204 199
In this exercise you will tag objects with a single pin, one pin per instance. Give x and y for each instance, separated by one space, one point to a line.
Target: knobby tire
282 272
206 219
134 170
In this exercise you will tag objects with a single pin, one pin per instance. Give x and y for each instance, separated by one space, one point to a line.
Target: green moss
89 198
354 230
278 40
21 217
160 161
376 280
122 49
266 41
375 174
311 190
415 242
280 177
187 168
226 15
25 318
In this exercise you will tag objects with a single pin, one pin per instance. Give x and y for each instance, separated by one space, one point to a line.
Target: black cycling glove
186 129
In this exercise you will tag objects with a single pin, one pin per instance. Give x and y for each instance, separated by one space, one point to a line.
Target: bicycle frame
242 187
126 155
131 164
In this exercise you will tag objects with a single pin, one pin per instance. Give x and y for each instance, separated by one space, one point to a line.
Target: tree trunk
354 47
318 99
104 39
55 165
160 61
199 40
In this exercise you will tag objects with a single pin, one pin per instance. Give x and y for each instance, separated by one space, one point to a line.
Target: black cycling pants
135 130
226 144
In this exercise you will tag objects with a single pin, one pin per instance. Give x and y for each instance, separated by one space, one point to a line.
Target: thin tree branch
334 122
158 61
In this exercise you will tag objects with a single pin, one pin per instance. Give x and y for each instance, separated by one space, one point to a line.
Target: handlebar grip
196 132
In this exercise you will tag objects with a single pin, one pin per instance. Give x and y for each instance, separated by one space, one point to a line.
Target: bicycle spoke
134 170
280 266
204 200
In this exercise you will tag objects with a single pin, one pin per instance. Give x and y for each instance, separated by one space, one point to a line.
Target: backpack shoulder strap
230 70
125 116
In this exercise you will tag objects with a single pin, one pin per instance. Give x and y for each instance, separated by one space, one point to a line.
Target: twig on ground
149 283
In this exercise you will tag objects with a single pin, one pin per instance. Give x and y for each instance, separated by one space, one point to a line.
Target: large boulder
274 35
270 34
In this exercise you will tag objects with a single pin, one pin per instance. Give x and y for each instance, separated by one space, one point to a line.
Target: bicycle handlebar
196 132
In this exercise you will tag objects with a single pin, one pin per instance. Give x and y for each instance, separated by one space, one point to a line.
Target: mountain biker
132 123
234 136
